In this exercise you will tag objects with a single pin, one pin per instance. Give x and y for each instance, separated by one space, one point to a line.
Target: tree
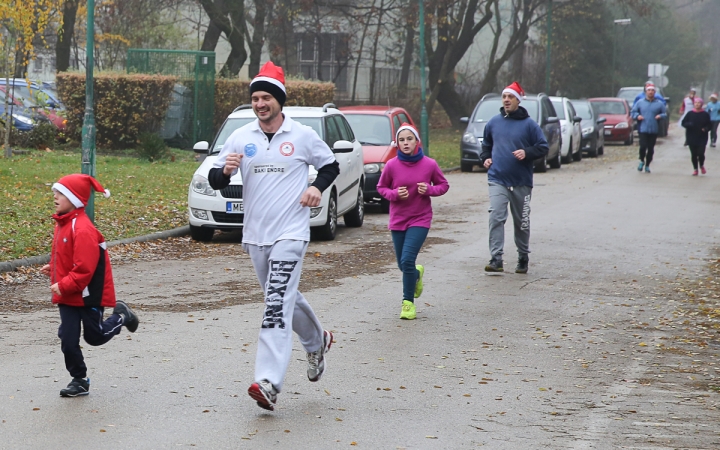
229 17
65 35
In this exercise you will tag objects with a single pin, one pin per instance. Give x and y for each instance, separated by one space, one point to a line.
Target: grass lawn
145 197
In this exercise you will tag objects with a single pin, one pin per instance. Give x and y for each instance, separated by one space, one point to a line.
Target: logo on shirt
287 149
250 150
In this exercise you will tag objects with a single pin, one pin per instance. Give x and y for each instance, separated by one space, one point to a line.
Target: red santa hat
270 79
650 86
406 126
516 90
714 95
76 188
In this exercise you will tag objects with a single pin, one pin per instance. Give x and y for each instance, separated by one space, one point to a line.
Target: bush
151 147
43 135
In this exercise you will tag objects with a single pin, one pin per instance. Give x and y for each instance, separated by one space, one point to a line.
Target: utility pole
549 47
88 128
616 22
423 113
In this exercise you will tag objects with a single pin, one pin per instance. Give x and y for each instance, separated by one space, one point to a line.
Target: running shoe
647 169
695 172
316 359
640 166
702 170
408 310
264 393
419 283
77 387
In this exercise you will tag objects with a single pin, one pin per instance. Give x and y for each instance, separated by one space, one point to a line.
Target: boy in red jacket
81 279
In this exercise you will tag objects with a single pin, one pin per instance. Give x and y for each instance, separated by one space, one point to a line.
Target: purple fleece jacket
416 210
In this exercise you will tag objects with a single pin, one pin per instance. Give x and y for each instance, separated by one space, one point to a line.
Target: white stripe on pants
278 268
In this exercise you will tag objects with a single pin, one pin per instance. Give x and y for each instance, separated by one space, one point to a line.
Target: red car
619 123
40 114
375 128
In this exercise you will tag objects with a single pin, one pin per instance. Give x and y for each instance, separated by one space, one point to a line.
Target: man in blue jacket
713 108
647 112
511 142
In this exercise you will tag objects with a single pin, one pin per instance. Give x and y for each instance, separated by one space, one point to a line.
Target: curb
9 266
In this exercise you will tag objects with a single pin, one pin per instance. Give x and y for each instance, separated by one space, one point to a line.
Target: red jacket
80 263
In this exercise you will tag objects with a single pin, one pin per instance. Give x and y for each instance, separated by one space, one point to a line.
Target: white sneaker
316 359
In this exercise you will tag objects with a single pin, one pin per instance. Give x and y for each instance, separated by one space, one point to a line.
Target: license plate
608 132
234 208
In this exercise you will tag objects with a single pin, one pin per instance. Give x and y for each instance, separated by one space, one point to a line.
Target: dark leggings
713 131
407 246
96 332
697 155
647 147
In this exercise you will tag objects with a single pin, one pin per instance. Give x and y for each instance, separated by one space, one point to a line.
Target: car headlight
201 185
469 138
587 130
22 119
373 167
315 211
622 125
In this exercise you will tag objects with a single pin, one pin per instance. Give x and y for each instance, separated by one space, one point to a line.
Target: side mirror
553 120
602 120
577 119
464 120
201 147
343 147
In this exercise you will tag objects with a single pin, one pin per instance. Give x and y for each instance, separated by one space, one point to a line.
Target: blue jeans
407 246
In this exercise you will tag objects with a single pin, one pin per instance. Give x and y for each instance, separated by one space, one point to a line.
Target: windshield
233 124
629 94
489 108
559 109
583 110
371 129
609 107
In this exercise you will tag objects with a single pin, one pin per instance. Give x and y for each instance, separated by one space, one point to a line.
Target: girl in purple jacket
407 182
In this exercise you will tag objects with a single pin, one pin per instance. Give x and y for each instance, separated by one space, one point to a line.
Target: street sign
661 81
655 70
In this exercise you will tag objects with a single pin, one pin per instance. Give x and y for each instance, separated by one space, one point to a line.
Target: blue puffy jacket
648 109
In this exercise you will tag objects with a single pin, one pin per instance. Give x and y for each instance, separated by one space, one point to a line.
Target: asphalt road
583 352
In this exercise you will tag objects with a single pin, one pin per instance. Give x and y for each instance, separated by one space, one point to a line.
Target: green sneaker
418 283
408 310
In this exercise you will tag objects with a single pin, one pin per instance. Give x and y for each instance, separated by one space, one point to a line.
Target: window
345 131
333 134
307 47
403 118
396 123
558 104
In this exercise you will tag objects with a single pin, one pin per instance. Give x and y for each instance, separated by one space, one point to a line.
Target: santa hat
516 90
650 86
270 79
76 188
713 95
407 126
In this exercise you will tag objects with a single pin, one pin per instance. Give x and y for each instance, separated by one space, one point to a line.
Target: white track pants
278 268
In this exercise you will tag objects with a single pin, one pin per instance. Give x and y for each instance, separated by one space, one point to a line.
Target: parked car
540 109
375 128
570 128
40 93
619 123
36 112
631 93
21 116
593 132
212 210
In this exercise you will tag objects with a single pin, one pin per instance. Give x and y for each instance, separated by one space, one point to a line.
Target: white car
211 210
570 129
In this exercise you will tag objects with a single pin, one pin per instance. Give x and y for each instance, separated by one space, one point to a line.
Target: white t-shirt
275 175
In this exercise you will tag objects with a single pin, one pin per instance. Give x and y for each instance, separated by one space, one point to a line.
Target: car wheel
385 206
327 232
202 234
629 140
355 217
601 151
541 165
556 162
466 167
568 159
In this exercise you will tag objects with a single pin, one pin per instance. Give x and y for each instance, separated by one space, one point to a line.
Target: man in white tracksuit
273 154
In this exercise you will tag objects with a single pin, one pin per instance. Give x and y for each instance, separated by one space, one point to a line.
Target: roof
371 109
291 111
607 99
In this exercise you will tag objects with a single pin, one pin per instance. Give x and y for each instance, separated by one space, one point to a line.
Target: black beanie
262 85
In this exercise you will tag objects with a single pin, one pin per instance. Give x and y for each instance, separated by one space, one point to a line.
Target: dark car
631 93
540 109
593 128
375 128
618 124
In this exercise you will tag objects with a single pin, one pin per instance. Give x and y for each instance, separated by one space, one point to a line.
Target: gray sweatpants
278 268
519 199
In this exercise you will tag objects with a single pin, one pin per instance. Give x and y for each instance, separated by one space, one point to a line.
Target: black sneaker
130 319
495 265
76 388
522 265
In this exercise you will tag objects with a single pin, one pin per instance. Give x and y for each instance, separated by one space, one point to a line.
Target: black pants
697 155
647 147
96 332
713 131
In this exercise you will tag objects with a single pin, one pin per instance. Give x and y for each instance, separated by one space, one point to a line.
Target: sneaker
702 170
408 310
522 265
495 265
316 359
712 144
130 319
76 388
264 393
647 169
695 172
640 166
419 283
